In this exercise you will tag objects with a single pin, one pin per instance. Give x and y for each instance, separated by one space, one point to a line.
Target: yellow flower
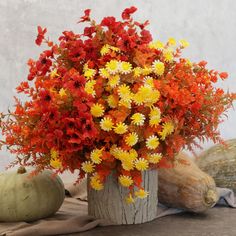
95 182
148 80
104 73
125 103
125 67
89 73
125 181
138 99
131 139
184 43
168 128
54 153
172 41
146 70
152 142
54 73
156 45
113 81
112 66
124 92
121 128
112 101
141 164
97 110
105 49
168 56
129 199
128 165
133 155
87 166
137 71
62 92
138 119
154 158
158 67
115 49
89 87
106 124
154 116
54 161
141 193
96 155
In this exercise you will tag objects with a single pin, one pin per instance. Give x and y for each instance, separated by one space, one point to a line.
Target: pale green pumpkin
24 198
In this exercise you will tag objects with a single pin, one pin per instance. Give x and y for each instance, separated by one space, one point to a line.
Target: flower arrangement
113 99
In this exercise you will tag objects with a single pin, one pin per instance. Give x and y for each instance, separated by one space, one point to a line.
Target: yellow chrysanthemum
115 49
54 73
137 71
55 163
172 41
129 199
117 152
106 124
141 193
138 119
96 156
89 73
133 154
54 153
95 182
154 158
125 181
125 67
128 165
168 56
168 128
105 49
120 128
112 66
113 81
184 43
131 139
87 167
146 70
138 99
112 101
104 73
158 67
148 80
152 142
156 45
154 116
125 103
62 92
141 164
124 92
97 110
89 87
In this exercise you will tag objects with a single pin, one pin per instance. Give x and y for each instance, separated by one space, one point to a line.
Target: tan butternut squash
185 186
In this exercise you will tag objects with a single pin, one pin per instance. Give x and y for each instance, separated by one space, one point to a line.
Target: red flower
127 12
40 36
86 16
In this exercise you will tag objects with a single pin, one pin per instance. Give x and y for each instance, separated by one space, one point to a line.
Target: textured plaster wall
209 26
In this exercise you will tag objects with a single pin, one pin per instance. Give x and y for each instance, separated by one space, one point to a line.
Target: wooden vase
110 203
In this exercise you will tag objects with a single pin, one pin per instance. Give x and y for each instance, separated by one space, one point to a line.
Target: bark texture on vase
110 203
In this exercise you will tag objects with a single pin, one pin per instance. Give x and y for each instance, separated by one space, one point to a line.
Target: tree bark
110 203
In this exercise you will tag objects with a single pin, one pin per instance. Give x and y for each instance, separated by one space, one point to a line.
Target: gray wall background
209 26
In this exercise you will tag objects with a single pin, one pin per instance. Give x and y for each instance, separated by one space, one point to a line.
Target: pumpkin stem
21 170
211 197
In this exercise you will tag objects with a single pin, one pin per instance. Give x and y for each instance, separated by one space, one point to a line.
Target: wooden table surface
219 221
